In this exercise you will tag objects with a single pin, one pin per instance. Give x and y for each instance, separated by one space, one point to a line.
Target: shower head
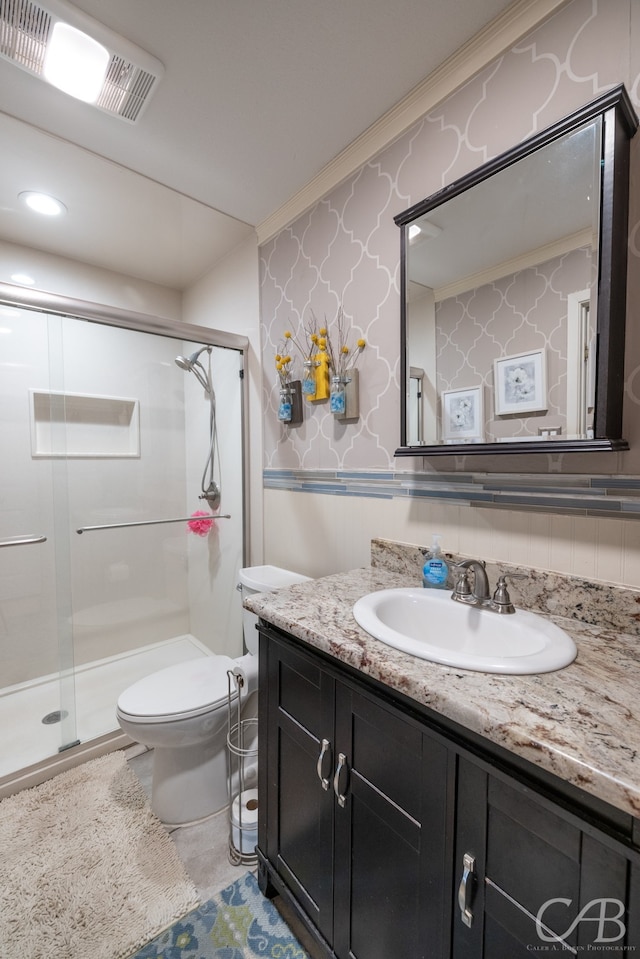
210 489
193 365
187 362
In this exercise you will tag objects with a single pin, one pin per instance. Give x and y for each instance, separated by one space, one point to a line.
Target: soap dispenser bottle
435 570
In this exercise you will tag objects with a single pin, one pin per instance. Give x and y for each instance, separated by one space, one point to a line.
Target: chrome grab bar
22 540
153 522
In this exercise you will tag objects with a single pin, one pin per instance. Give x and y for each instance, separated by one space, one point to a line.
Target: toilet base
189 783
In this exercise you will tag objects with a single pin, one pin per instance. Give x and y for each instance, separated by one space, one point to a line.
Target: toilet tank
262 579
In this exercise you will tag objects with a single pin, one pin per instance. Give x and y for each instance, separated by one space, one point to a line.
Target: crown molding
550 251
499 35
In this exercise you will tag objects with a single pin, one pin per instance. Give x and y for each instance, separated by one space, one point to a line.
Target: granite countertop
580 723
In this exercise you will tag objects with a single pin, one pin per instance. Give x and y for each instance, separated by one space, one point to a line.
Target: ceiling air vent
132 74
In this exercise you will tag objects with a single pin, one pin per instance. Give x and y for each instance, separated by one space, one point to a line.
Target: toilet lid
192 687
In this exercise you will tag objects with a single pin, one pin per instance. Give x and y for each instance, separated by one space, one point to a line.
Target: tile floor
203 848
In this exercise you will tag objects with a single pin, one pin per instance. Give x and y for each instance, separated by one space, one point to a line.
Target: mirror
513 296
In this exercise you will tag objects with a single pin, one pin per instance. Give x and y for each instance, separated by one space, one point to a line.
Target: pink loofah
201 527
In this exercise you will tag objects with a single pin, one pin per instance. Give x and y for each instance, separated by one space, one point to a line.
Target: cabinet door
392 824
527 872
299 822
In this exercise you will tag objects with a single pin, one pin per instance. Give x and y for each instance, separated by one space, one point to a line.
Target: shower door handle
152 522
22 540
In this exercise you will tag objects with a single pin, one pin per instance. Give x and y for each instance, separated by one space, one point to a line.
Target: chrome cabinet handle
465 889
342 765
324 760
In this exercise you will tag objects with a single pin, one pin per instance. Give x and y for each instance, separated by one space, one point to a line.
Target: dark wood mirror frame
619 124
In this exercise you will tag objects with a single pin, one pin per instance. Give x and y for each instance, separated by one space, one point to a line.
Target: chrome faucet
479 596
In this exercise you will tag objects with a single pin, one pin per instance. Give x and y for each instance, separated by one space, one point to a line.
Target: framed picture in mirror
463 415
520 383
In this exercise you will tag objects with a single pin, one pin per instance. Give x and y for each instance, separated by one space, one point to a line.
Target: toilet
182 713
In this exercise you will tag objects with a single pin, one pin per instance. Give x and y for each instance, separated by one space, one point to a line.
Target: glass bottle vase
309 378
337 398
286 405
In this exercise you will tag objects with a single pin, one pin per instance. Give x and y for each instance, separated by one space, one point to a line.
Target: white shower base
27 740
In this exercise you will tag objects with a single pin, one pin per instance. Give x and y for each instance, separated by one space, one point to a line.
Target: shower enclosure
108 446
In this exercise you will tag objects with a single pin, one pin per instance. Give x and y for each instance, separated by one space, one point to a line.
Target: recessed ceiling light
42 203
23 279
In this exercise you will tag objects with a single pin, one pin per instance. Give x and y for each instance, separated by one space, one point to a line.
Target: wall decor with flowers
328 369
344 395
290 403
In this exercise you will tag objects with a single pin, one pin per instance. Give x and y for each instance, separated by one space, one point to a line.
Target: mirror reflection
499 310
501 296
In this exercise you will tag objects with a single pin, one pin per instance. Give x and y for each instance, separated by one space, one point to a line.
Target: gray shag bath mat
86 869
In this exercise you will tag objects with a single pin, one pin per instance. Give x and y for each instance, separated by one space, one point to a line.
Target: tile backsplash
599 604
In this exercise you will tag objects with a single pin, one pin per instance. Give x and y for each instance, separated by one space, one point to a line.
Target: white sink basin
429 624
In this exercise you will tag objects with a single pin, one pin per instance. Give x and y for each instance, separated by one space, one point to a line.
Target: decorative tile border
575 495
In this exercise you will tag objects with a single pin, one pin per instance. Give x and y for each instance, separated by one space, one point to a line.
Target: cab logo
605 914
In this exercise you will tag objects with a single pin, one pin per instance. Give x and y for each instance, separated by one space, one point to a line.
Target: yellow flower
322 343
287 335
278 357
345 349
314 338
279 367
322 331
361 344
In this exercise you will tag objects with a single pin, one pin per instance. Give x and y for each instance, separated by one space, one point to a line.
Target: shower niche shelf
83 424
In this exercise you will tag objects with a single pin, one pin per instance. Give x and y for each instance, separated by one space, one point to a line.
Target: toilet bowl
182 713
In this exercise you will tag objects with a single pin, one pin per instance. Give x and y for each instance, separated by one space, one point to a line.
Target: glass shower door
147 590
37 698
107 447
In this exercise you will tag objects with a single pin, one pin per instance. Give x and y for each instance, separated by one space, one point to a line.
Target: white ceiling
257 97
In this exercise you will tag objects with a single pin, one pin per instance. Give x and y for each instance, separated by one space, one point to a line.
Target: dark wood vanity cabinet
530 859
395 840
357 820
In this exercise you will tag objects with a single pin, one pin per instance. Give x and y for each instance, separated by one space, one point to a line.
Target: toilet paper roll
245 836
249 801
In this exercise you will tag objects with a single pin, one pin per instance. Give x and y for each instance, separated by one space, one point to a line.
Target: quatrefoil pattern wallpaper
344 252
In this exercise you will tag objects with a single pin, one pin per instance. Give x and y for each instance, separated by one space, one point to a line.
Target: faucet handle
501 598
462 587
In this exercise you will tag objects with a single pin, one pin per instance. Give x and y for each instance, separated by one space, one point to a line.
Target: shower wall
215 611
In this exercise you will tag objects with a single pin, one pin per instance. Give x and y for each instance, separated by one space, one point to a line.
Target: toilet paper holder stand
242 747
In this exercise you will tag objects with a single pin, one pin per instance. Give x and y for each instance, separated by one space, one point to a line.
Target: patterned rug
238 923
